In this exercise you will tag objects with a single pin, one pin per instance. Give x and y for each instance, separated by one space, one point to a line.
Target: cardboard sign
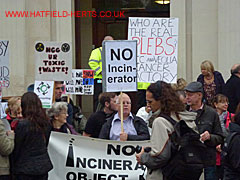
4 106
4 64
53 61
44 90
77 157
119 66
157 45
82 82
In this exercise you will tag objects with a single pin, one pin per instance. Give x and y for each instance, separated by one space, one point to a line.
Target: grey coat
6 147
160 144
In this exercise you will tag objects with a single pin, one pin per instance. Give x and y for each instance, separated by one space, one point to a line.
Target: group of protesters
207 106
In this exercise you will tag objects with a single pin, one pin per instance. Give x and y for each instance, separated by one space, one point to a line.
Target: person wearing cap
208 125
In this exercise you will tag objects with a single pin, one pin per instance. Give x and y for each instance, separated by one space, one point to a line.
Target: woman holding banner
30 157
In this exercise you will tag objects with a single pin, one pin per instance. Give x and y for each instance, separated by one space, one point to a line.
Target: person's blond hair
180 85
14 105
207 65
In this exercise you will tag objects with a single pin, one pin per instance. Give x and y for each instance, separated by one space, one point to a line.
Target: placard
44 90
53 61
157 47
119 66
4 64
82 82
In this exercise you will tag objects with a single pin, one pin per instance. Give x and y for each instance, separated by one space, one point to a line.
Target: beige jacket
6 147
160 144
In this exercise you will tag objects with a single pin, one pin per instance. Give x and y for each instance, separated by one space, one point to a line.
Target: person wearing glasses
58 90
134 128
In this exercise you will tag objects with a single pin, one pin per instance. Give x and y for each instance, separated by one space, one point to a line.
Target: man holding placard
134 128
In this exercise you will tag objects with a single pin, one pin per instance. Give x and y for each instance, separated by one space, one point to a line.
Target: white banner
119 66
44 90
4 64
53 61
82 158
157 48
82 82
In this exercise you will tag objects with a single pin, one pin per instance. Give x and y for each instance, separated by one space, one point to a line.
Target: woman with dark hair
232 160
163 100
30 157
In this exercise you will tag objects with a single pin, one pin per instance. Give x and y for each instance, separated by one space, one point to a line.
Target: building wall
23 32
207 30
86 48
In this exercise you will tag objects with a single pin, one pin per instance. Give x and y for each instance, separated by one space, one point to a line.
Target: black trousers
97 91
31 177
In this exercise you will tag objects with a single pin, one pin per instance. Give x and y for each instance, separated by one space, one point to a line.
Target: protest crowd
172 130
201 115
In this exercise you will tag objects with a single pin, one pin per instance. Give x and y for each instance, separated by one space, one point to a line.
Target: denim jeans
210 173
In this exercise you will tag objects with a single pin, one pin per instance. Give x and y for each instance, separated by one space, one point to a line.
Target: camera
139 148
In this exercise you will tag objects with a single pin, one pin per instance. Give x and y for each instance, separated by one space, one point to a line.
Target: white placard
3 109
44 90
157 47
119 66
4 64
82 82
77 157
53 61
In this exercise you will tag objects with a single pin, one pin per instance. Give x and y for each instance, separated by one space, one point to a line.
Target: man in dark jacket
95 122
232 88
134 128
208 125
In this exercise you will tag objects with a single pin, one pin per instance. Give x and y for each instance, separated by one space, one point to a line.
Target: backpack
79 120
187 153
225 148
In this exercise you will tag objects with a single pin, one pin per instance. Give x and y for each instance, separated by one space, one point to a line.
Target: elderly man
97 119
135 128
232 88
208 125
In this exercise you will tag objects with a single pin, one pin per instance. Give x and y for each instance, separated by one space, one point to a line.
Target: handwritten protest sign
82 82
44 90
4 64
53 61
157 45
119 66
